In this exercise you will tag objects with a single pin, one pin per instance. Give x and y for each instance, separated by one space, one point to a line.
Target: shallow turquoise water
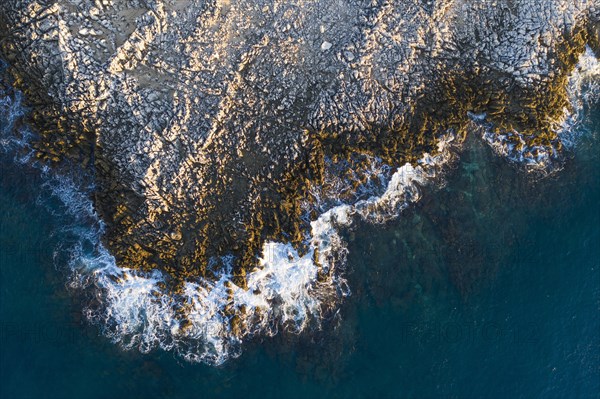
489 286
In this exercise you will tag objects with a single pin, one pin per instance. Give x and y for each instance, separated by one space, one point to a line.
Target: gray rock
196 102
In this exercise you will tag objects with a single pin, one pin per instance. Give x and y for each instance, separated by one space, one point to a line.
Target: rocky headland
206 124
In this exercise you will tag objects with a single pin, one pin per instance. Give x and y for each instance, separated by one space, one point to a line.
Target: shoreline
174 199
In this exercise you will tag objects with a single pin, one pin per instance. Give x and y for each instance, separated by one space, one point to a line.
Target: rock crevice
206 123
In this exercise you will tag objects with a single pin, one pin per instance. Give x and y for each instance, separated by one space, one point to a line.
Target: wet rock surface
207 123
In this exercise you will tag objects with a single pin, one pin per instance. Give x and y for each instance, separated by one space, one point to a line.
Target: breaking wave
583 90
208 320
286 291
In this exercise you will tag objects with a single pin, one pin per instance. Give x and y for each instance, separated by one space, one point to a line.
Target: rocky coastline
207 123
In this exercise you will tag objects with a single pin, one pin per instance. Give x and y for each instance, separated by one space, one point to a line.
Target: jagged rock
209 121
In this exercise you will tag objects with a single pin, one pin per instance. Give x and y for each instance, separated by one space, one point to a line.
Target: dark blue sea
487 287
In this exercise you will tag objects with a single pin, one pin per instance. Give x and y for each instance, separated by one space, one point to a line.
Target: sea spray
208 320
583 89
286 290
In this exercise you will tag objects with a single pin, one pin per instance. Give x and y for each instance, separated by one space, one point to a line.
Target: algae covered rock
207 124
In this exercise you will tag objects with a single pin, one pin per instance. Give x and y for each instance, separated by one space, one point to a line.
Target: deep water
487 287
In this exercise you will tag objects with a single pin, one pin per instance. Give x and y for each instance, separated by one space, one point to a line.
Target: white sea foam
583 89
14 139
208 320
349 182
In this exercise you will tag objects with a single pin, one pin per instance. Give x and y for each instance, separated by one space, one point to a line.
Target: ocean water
489 286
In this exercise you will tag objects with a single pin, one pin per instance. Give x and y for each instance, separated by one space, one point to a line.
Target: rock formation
206 123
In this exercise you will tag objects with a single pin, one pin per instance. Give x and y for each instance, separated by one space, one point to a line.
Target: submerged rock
207 124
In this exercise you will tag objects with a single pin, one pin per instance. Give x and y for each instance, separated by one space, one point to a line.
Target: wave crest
207 320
